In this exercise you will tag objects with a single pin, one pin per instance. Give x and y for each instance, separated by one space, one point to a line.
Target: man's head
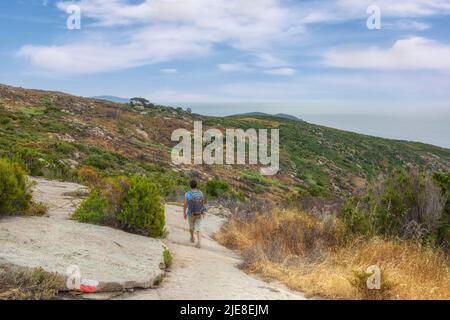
193 184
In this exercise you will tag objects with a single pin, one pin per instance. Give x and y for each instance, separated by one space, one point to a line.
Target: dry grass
28 284
315 257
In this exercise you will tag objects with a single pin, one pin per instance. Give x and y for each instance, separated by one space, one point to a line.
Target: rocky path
208 273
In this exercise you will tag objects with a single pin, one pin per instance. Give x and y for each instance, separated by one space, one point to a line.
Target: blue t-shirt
189 196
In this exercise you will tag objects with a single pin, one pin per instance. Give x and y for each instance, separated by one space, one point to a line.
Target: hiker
194 211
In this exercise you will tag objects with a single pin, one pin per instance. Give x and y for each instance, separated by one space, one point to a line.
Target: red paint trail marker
88 286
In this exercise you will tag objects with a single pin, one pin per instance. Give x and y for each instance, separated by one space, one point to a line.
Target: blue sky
302 56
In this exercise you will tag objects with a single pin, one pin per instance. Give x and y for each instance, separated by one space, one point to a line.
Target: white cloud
233 67
154 31
169 71
407 25
343 10
96 54
161 30
404 8
413 53
281 71
263 62
267 60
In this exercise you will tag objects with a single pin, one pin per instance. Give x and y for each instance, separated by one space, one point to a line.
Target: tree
142 102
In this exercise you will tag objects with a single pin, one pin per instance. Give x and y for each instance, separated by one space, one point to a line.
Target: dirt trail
207 273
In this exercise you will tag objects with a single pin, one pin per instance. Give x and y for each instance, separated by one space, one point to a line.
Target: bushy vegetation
142 210
15 195
321 257
94 209
406 205
443 180
168 259
30 159
400 225
132 204
216 188
25 284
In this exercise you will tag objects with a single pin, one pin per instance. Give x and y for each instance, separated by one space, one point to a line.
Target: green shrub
355 219
132 204
443 181
64 148
168 259
255 178
142 210
99 162
37 209
31 159
15 196
216 188
407 205
49 105
57 170
4 120
92 210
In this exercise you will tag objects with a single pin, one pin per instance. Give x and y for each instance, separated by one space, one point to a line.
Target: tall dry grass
317 257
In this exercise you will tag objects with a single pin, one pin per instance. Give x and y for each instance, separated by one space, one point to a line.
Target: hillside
112 99
55 134
263 114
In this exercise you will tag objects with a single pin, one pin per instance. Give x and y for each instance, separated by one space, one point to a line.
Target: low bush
15 196
37 209
132 204
98 161
407 205
25 284
92 210
216 188
443 181
168 259
89 176
319 258
284 233
142 210
31 159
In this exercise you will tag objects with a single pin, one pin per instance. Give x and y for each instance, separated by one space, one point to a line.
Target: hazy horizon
431 128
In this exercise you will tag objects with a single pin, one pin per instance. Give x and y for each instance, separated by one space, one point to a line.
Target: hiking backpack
196 204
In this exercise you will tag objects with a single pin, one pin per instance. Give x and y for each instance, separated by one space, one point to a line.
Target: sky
315 59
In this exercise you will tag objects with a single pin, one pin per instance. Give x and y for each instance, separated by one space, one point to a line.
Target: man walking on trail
194 210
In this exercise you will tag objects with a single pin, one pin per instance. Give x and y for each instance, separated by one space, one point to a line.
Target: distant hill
112 99
263 114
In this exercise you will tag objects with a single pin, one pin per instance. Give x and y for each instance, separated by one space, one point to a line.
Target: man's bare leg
192 236
199 240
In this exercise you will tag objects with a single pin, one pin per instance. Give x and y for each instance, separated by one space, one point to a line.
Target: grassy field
315 257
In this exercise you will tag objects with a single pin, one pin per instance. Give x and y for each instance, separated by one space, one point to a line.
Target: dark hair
193 184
